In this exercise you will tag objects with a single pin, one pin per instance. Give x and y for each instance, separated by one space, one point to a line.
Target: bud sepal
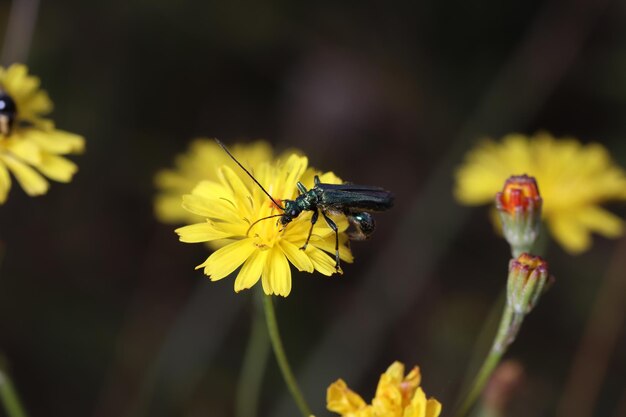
528 279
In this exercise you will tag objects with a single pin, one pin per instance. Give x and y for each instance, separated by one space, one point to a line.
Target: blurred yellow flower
397 395
29 144
31 102
573 179
231 203
201 162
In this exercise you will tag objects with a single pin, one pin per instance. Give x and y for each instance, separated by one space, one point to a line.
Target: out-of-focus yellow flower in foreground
31 102
232 203
397 395
29 144
574 180
201 162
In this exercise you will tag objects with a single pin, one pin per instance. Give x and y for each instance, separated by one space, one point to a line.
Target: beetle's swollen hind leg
363 224
333 226
316 214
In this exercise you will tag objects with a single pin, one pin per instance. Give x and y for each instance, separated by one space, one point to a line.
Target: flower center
268 231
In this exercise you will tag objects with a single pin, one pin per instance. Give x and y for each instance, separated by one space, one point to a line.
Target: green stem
518 250
279 351
9 397
254 362
507 331
483 343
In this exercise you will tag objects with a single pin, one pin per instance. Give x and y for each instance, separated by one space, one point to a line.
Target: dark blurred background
101 311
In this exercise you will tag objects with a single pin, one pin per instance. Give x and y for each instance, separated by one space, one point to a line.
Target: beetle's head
291 212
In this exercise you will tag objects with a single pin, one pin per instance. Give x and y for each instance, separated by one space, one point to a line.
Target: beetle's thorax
307 201
293 208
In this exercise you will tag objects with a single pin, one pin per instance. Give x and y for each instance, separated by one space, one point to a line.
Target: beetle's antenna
251 176
262 218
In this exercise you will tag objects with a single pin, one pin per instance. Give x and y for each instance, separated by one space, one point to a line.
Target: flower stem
279 351
507 331
518 250
19 31
254 363
9 397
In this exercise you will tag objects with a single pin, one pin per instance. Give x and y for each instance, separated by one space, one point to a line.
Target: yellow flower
232 203
573 178
397 395
30 146
201 162
31 102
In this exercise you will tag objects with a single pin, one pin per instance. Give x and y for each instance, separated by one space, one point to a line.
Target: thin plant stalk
10 400
19 31
254 363
484 340
281 357
507 331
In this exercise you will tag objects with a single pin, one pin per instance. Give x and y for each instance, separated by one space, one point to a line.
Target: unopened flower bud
519 206
528 277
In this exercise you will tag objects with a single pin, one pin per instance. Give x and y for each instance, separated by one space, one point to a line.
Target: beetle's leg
333 226
316 213
316 180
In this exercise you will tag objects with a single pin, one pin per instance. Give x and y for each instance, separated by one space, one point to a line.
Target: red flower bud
519 206
520 193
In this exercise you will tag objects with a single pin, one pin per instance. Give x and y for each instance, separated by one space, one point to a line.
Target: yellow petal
30 180
570 233
214 208
418 405
601 221
201 232
57 167
412 380
5 183
328 244
251 270
276 274
290 174
323 263
573 229
396 372
433 408
39 104
388 394
14 79
24 149
225 260
239 191
168 209
296 256
330 178
209 189
342 400
297 231
200 206
57 141
170 180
